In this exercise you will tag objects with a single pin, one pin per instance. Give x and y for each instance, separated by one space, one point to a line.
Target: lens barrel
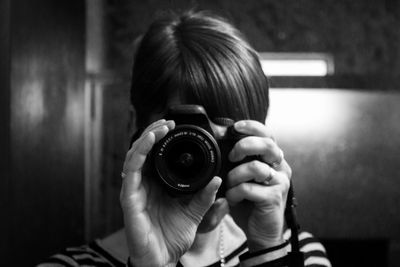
187 158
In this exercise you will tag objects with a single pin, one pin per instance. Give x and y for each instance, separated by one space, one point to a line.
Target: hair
201 59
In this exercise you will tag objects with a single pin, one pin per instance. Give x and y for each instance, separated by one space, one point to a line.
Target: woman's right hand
159 228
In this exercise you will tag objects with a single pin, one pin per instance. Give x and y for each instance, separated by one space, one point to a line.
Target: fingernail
219 202
240 124
218 184
170 124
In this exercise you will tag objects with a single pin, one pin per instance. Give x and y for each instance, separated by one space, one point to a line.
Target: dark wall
43 123
362 36
5 170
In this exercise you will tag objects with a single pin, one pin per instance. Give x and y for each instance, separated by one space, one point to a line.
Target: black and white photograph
200 133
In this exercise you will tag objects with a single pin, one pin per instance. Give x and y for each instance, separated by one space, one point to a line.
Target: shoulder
86 255
314 251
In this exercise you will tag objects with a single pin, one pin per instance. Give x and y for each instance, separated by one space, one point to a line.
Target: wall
5 170
42 86
361 35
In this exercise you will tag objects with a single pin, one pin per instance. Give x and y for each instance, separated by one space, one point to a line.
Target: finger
133 166
159 132
259 194
255 170
214 216
138 153
251 127
153 125
132 190
170 124
133 194
203 200
253 146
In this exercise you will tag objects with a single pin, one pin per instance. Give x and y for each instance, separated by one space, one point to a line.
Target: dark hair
201 59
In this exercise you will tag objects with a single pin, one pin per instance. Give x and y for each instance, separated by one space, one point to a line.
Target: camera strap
295 257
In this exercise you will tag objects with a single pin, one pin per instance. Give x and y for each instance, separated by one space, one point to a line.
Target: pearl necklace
221 244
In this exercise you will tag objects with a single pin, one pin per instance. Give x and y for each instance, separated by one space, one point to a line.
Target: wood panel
46 128
4 119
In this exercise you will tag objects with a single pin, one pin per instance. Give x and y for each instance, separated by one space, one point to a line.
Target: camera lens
185 161
187 158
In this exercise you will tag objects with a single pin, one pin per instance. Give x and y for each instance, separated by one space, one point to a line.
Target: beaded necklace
221 245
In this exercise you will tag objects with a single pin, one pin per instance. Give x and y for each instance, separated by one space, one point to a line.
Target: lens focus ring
187 158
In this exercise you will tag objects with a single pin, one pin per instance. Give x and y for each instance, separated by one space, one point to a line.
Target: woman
198 58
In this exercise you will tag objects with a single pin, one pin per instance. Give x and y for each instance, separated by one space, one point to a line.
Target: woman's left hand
264 182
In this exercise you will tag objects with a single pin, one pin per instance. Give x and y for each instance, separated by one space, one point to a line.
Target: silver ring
276 164
270 177
123 175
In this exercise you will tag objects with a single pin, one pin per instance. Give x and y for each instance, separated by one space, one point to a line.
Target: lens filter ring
187 158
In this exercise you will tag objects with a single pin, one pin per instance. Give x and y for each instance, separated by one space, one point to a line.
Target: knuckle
254 165
245 187
269 143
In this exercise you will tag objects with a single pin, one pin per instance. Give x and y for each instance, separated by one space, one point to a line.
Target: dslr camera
190 155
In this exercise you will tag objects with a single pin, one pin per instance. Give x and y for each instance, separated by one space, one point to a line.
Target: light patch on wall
31 103
308 113
296 64
74 111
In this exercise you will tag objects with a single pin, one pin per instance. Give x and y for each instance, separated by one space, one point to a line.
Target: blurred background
64 114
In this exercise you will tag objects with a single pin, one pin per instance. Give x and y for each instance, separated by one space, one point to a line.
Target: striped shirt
94 254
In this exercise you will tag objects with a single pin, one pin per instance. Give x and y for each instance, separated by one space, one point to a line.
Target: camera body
190 155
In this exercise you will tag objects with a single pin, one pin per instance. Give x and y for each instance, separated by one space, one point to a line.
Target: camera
190 155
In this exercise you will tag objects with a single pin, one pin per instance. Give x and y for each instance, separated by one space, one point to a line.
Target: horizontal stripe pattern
88 255
95 255
314 251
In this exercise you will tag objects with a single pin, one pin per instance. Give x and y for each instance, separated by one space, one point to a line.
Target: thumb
203 199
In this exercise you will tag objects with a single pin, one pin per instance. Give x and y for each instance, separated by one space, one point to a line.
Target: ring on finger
269 178
278 162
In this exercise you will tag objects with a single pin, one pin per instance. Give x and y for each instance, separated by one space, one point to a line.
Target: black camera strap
295 257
